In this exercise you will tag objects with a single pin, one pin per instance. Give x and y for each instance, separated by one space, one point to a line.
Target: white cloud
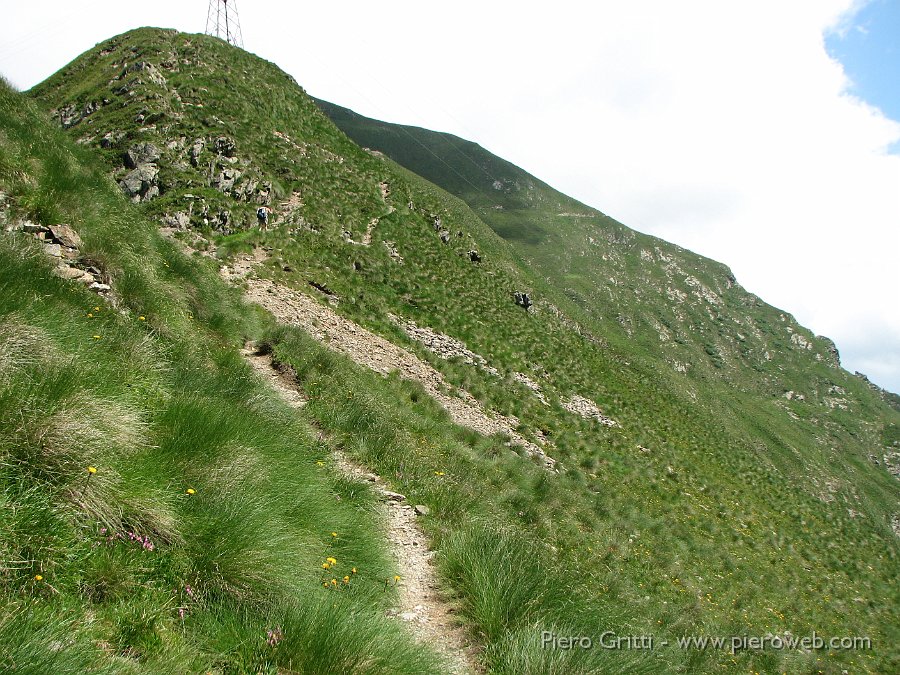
723 127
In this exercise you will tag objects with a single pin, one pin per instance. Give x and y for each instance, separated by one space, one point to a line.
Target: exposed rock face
832 349
140 184
66 236
143 153
179 220
226 180
586 408
71 115
148 71
197 150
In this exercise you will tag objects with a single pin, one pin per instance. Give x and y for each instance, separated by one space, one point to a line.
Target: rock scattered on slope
579 405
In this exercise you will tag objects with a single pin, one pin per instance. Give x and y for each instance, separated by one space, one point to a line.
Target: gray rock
53 250
66 272
474 256
149 71
196 150
97 286
111 138
32 228
226 179
66 236
393 496
137 183
181 220
421 510
142 153
70 115
445 236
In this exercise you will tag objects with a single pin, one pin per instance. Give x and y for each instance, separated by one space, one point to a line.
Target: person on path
262 215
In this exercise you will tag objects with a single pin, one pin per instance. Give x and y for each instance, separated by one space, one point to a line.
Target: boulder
474 256
66 272
142 153
179 220
196 150
421 510
226 179
137 184
66 236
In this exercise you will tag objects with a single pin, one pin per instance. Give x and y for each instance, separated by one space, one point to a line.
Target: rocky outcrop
61 244
586 408
523 299
72 114
140 184
140 154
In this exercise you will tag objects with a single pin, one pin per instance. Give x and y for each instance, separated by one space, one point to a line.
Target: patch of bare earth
421 605
377 353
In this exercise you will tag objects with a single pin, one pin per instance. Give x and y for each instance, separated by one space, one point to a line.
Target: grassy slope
147 395
735 538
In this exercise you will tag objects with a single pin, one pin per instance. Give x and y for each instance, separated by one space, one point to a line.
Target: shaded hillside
681 500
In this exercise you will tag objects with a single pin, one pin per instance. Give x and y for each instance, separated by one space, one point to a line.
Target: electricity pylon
222 22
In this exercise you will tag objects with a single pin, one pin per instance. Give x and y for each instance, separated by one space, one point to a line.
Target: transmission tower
222 22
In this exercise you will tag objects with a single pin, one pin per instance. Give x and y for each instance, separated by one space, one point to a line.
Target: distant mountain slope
717 471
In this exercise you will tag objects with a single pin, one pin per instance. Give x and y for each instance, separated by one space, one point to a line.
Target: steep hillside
637 287
595 488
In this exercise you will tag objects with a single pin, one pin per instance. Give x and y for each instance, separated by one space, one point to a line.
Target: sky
765 135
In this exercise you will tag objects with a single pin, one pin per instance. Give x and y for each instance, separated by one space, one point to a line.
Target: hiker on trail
262 215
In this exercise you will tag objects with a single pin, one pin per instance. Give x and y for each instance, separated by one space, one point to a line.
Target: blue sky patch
868 46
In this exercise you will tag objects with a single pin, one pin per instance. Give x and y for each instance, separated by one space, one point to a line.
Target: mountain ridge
641 520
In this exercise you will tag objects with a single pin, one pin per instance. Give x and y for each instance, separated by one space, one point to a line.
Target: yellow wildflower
396 578
438 473
320 463
334 534
92 469
38 577
334 582
142 318
346 580
96 309
90 316
191 491
96 337
353 570
332 561
325 565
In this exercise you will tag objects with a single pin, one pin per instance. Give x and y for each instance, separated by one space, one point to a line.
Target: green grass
125 570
